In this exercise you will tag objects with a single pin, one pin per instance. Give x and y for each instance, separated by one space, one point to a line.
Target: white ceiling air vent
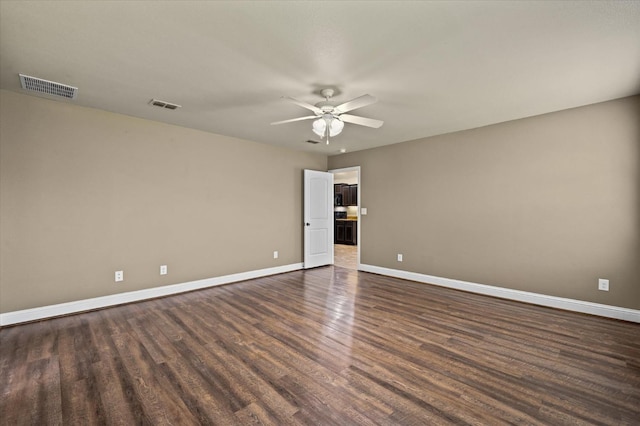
163 104
47 87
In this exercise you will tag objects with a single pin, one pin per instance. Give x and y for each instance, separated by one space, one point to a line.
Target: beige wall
86 192
546 204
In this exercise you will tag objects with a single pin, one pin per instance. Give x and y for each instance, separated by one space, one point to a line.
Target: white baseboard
50 311
43 312
507 293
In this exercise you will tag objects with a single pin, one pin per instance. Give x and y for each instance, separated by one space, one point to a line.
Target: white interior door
318 218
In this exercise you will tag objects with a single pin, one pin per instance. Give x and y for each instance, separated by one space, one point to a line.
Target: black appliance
340 215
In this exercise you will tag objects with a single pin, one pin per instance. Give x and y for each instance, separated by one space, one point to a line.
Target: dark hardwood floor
325 346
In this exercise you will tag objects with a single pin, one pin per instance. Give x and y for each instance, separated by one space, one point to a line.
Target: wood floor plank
255 414
330 346
152 387
117 386
270 400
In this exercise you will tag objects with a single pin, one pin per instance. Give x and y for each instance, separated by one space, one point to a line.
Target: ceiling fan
329 119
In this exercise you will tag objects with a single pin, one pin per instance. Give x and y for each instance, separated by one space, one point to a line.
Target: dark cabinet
353 195
350 231
339 232
346 232
345 195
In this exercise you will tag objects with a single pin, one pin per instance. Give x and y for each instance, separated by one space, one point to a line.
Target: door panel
318 242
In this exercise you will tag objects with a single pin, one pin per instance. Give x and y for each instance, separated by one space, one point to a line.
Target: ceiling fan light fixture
320 126
336 127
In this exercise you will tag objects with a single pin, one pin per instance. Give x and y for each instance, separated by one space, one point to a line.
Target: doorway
347 224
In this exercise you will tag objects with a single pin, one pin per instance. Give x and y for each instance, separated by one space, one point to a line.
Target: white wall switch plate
363 211
603 284
275 254
119 276
399 257
163 269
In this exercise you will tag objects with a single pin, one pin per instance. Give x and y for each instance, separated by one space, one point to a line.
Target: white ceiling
435 67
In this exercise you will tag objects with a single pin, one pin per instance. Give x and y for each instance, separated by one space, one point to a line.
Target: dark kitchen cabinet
346 232
338 235
347 194
350 232
353 195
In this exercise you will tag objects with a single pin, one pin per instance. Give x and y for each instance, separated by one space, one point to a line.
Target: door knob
308 224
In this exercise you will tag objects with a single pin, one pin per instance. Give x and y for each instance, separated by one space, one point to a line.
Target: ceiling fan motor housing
325 106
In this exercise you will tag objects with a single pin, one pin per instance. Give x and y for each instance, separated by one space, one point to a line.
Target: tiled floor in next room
345 256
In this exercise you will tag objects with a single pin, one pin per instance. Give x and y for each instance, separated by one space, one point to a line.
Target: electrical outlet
603 284
399 257
275 254
163 269
119 276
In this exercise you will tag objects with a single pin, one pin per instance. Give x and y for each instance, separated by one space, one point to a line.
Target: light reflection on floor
339 310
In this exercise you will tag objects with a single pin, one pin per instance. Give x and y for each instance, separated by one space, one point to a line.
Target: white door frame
357 170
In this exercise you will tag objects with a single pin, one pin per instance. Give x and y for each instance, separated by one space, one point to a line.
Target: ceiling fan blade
309 117
354 119
313 108
359 102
